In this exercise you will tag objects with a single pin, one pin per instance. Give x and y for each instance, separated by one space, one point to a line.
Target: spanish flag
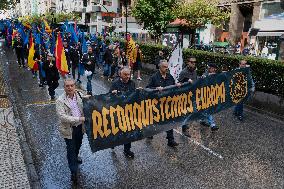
31 62
61 62
131 47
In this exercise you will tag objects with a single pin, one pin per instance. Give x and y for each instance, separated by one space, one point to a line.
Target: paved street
240 155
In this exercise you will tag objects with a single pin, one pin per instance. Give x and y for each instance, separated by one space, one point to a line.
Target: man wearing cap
188 74
51 75
207 119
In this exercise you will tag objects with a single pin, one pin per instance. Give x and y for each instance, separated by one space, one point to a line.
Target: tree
197 13
154 14
7 4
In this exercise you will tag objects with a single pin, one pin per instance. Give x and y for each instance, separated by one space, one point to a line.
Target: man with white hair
124 84
69 108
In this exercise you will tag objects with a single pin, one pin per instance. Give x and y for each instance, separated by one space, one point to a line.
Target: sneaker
240 118
79 160
40 85
139 78
151 137
214 128
186 132
129 154
172 144
89 93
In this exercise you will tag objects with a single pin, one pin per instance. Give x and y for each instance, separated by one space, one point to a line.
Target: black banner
115 119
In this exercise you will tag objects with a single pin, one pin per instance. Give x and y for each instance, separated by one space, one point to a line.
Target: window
107 2
269 9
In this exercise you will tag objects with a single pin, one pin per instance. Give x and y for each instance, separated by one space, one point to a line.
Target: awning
268 33
269 27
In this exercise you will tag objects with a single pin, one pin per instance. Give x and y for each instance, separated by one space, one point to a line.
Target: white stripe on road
201 145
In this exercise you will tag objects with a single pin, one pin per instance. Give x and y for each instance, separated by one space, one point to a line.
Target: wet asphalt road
248 154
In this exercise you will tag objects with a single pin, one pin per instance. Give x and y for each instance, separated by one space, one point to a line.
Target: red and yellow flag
31 62
61 61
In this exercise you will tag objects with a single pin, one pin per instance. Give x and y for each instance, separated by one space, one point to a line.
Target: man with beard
51 74
188 74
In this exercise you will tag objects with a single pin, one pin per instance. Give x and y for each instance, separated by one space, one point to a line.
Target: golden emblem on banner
238 87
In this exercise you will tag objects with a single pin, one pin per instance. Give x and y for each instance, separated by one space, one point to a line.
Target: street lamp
126 15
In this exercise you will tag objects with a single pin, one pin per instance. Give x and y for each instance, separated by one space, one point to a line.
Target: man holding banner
69 107
162 78
188 74
124 84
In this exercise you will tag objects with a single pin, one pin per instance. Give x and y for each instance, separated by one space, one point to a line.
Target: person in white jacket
69 108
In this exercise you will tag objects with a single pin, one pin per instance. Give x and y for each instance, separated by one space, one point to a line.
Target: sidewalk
13 172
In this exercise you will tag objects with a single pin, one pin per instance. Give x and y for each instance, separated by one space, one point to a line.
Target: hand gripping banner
115 119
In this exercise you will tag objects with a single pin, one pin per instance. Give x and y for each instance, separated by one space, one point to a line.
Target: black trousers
20 57
52 85
73 147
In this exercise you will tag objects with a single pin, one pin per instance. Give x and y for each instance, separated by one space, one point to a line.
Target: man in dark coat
108 59
51 74
19 48
124 84
75 59
89 62
162 78
188 74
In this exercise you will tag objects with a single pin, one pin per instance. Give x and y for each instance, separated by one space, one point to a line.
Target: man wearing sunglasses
188 74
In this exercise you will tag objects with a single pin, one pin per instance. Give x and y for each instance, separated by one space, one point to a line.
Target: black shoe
240 118
52 98
215 128
129 154
89 93
151 137
204 123
186 132
79 81
74 178
79 160
172 144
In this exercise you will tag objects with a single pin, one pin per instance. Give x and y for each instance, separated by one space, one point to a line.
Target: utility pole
126 15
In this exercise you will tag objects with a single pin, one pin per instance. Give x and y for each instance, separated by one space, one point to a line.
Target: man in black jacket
51 74
188 74
19 48
124 84
75 59
89 62
108 59
162 78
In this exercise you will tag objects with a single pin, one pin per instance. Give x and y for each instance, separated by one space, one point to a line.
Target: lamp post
126 15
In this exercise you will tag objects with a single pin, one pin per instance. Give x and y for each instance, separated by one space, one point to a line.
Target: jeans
89 83
208 118
239 109
73 147
107 70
